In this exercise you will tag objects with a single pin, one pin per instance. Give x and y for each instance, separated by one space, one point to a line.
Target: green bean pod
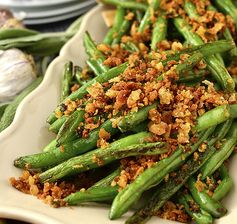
96 66
118 20
100 191
133 119
65 152
159 31
56 125
227 34
68 131
217 69
146 20
216 116
50 146
99 194
200 217
125 147
129 46
229 8
126 4
225 186
191 10
124 28
67 78
207 203
6 33
221 154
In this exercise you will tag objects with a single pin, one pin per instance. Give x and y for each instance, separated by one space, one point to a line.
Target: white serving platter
28 134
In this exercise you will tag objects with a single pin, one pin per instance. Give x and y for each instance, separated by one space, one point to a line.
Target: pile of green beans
70 153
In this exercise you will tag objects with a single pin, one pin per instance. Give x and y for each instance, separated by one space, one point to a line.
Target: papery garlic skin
17 70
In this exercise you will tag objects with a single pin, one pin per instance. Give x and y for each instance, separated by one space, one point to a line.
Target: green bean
205 49
67 151
130 46
207 203
77 73
126 4
50 146
10 111
67 78
146 20
109 36
124 28
169 188
140 127
107 180
119 17
222 154
68 131
187 65
46 47
218 71
225 186
150 178
100 191
56 125
96 66
99 194
94 54
227 34
216 116
82 91
125 147
133 119
191 10
6 33
139 15
159 31
20 42
200 217
192 76
229 8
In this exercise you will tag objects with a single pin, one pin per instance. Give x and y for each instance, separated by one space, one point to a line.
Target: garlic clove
17 70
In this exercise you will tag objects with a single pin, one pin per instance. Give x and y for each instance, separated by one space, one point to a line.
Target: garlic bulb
17 70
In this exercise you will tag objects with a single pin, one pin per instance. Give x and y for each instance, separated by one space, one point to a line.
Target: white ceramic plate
53 11
33 3
28 134
53 19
